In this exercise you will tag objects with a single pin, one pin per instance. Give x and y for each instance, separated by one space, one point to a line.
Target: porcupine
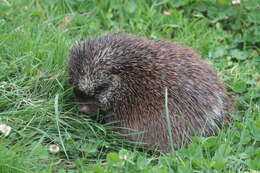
126 76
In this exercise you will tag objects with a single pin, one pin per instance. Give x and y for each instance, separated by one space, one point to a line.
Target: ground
36 99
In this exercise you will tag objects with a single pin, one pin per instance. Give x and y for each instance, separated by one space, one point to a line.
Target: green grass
36 100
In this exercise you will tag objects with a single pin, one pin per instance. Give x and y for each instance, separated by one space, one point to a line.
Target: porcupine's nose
88 108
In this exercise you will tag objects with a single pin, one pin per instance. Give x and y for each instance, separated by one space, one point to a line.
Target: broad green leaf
239 86
237 54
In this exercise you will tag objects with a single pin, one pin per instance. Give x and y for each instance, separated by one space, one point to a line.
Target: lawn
36 100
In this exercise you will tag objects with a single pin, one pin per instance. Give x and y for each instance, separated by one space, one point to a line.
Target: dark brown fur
126 76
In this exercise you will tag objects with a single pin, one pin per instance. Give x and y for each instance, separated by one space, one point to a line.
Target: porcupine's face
95 86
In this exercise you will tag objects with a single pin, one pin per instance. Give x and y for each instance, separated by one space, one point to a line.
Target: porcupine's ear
114 77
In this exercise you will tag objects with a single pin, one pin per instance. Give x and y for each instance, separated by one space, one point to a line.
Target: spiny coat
126 76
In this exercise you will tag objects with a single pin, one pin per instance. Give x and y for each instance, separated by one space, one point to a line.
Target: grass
36 100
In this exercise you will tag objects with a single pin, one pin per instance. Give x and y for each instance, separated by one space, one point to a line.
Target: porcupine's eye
81 72
101 88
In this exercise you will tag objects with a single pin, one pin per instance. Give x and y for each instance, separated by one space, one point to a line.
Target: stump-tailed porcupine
126 76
